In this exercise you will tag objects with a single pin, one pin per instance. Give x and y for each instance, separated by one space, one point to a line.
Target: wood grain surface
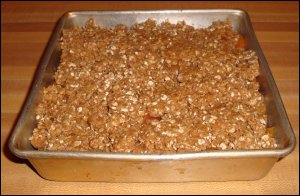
25 30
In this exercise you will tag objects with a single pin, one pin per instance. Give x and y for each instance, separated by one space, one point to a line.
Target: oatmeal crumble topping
164 88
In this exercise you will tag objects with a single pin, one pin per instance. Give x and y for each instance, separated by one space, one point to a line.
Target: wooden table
25 29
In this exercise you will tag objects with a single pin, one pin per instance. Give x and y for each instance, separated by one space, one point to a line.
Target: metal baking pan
124 167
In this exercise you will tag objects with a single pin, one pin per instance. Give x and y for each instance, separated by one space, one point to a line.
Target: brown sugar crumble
153 88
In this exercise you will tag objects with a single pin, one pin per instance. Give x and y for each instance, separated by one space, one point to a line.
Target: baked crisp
164 88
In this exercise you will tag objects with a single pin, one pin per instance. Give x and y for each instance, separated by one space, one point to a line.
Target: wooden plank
25 37
17 72
278 37
270 26
33 27
265 7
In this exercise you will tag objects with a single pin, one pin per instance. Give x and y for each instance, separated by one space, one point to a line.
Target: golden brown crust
152 88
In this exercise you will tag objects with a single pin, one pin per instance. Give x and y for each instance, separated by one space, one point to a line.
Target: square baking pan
127 167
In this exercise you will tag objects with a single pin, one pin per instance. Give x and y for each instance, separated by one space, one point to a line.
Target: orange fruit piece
241 43
148 118
271 130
